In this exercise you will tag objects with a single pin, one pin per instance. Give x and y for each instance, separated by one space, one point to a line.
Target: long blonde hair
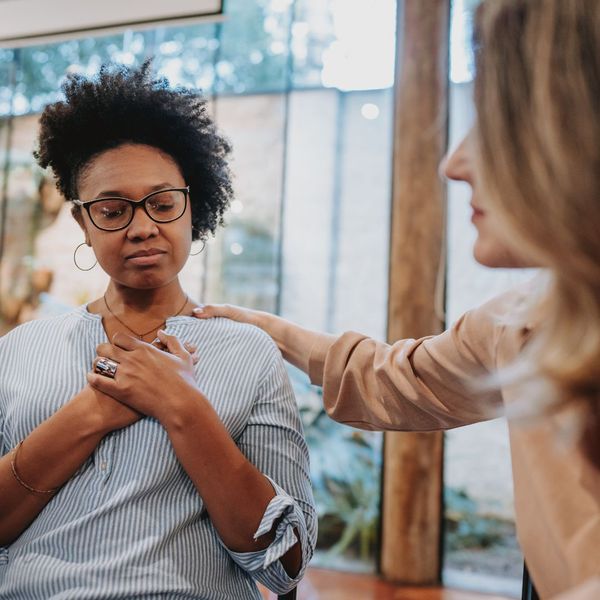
537 94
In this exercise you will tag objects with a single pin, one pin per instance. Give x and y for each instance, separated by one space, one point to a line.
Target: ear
78 216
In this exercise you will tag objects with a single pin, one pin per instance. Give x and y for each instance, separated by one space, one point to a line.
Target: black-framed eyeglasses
113 212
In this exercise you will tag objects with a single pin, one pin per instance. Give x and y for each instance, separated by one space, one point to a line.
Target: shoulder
243 339
41 328
226 328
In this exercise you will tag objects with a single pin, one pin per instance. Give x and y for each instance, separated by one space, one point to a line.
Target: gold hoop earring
75 258
199 251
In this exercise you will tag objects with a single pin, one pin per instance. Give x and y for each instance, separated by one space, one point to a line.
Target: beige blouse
428 384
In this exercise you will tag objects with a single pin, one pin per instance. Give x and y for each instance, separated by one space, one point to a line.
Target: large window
303 90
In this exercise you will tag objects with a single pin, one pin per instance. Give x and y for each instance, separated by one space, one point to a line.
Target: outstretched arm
413 385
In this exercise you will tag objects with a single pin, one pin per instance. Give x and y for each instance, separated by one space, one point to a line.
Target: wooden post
412 474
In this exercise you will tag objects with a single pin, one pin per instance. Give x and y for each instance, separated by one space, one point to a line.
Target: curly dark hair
124 105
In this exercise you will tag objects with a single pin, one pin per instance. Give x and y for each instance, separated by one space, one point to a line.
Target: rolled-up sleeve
425 384
274 442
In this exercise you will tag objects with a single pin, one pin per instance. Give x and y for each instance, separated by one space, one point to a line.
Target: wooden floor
319 584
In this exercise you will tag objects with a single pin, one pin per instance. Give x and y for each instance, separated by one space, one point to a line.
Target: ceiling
25 22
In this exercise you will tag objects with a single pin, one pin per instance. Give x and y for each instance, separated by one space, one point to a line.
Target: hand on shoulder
229 311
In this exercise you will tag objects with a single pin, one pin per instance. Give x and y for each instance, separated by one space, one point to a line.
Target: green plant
466 527
345 470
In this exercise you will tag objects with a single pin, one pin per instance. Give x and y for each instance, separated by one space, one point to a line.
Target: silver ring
106 367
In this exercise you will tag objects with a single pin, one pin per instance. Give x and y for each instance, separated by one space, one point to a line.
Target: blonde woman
533 163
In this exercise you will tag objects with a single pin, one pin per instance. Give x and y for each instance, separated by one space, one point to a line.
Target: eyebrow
154 188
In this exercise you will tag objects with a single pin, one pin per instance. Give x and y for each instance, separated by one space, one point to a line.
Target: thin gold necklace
141 336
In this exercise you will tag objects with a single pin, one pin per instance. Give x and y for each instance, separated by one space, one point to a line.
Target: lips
145 258
477 212
149 252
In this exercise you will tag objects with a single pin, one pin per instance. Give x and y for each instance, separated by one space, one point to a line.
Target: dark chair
529 592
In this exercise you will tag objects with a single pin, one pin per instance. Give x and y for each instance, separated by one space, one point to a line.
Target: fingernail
198 310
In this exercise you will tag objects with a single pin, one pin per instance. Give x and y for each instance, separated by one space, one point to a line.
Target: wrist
181 405
91 421
263 320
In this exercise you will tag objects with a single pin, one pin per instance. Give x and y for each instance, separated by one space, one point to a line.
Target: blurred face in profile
492 247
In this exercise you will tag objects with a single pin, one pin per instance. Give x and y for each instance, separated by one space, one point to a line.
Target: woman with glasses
130 467
533 164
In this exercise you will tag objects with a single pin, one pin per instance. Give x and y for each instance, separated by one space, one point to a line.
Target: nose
142 226
457 165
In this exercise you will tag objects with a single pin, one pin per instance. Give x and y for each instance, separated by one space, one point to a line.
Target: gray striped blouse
130 523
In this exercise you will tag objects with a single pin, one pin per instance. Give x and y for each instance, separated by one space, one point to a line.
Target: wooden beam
412 493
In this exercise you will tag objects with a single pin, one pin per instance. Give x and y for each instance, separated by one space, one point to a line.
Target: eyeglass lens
115 213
